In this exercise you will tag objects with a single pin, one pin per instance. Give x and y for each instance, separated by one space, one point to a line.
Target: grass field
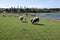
12 29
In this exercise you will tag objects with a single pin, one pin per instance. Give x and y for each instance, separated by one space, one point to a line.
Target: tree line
29 10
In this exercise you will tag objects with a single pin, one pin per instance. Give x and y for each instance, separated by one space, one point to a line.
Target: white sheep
35 19
22 18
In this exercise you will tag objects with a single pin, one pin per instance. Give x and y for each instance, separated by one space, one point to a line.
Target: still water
49 15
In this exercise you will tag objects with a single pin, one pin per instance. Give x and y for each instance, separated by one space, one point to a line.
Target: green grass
12 29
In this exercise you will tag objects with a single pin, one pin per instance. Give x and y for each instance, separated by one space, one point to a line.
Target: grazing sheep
3 15
34 20
22 18
31 19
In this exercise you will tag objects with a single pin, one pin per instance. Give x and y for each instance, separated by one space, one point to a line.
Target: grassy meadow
11 28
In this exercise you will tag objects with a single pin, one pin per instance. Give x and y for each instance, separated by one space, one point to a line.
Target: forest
30 10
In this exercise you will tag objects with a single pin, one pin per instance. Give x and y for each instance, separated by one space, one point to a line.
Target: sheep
22 18
34 20
3 15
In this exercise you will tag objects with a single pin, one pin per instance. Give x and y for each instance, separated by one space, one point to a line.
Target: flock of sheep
33 20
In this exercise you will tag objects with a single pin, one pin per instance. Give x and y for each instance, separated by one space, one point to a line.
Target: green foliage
29 10
11 28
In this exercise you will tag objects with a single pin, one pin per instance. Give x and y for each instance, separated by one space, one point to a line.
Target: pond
49 15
